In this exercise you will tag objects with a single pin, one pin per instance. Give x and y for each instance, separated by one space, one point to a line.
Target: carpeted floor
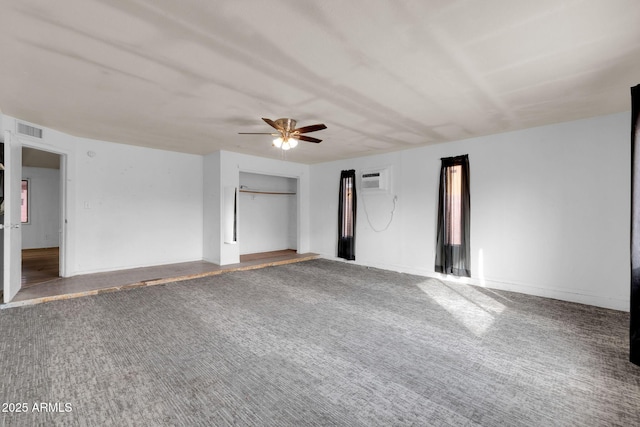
316 343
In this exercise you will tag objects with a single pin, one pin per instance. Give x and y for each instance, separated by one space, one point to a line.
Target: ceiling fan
288 135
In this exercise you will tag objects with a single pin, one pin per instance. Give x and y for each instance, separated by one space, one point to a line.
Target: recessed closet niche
267 213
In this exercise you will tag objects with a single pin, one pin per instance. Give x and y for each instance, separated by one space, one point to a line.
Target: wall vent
28 130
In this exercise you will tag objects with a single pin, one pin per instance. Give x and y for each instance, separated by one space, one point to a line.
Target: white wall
125 206
549 210
42 230
137 206
267 222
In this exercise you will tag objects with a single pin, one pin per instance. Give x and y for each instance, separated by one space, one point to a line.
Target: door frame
11 267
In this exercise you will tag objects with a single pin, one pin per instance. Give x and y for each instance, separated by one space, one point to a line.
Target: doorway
41 219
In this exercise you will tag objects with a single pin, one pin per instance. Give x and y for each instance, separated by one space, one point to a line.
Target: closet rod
264 192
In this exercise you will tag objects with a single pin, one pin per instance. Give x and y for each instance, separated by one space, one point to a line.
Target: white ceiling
382 75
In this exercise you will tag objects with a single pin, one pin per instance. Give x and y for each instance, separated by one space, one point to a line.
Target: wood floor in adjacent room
39 266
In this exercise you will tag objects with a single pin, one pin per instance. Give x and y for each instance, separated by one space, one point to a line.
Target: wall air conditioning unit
375 181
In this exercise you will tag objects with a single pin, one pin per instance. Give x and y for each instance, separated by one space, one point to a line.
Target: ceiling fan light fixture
288 135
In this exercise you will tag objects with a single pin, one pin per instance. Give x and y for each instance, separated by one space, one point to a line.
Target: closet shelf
265 192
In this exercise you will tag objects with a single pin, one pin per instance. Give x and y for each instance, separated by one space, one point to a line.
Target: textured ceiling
382 75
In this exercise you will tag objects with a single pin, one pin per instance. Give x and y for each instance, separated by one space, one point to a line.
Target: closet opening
267 216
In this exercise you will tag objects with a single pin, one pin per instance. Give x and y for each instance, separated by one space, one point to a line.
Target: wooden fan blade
306 138
311 128
271 123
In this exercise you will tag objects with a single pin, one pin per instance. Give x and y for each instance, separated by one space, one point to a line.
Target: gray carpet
317 343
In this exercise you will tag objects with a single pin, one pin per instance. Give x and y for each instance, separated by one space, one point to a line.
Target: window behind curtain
452 248
347 215
453 208
24 201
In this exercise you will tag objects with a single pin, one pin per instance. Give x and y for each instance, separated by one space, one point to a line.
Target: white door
12 232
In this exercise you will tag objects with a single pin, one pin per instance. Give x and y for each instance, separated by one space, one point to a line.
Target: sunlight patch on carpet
471 308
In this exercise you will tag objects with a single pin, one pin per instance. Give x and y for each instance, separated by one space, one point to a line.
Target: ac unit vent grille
28 130
370 183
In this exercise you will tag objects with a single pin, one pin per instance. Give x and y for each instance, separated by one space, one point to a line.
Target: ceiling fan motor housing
286 124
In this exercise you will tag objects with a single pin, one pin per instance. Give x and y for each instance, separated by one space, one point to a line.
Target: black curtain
454 208
347 216
235 214
634 323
